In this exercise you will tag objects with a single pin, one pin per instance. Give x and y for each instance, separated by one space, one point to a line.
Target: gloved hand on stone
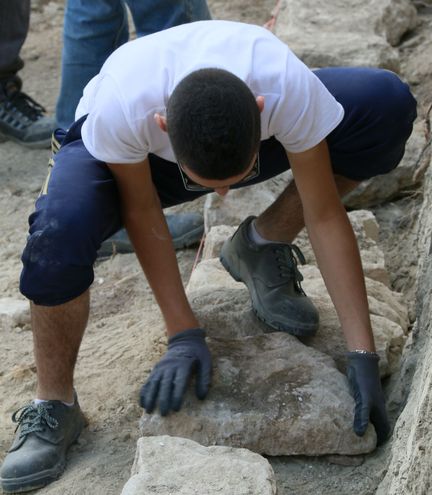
187 353
365 383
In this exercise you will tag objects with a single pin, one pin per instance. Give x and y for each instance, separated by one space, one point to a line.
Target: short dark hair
213 123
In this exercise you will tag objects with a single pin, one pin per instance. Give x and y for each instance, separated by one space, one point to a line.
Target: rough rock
411 450
211 275
214 240
168 465
366 230
364 224
14 312
397 18
345 32
273 395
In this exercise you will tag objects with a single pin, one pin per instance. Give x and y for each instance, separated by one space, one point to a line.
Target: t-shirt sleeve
306 112
108 132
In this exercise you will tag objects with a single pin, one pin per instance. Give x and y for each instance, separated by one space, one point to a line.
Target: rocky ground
117 353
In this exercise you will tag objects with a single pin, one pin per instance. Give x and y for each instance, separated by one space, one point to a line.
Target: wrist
361 354
180 324
187 334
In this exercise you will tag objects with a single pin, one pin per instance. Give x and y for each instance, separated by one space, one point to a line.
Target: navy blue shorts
80 207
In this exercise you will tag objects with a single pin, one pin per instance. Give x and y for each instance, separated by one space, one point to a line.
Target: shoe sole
291 328
34 481
41 479
37 145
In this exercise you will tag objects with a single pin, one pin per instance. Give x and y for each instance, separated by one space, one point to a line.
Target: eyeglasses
190 185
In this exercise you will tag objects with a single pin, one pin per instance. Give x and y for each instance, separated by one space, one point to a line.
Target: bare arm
147 228
334 243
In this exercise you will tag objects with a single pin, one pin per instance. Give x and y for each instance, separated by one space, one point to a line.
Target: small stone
185 467
14 312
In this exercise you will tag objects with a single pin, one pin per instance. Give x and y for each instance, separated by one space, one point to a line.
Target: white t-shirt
138 78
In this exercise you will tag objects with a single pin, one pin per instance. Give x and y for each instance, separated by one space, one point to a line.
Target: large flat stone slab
270 394
168 465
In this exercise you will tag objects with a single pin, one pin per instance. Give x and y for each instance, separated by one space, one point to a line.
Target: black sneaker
22 119
37 455
270 273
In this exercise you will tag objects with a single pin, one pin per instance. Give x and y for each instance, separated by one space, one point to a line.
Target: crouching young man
171 117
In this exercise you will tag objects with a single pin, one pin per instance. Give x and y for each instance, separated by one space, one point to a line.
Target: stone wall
410 468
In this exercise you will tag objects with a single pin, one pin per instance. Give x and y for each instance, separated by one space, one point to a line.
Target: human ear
161 122
260 103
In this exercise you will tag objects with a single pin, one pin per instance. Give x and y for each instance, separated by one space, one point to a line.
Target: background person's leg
150 16
21 118
14 25
92 31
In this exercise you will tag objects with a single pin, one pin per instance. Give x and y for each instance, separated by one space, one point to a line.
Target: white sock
40 401
257 238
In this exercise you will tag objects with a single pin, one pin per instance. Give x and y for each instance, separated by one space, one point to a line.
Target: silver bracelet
366 353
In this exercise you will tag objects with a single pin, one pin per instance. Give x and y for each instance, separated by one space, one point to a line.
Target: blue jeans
94 29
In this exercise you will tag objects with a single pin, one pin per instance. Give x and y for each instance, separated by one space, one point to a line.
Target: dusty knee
56 266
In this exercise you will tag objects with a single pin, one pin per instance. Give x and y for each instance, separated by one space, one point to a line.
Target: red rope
197 257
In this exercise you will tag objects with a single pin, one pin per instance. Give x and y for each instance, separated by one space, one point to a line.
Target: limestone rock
397 17
349 32
226 312
14 312
366 230
365 225
272 395
214 240
238 204
168 465
211 275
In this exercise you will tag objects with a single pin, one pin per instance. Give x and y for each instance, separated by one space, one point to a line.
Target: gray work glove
187 353
365 383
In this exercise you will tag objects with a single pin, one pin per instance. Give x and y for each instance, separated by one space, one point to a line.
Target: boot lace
21 110
34 418
288 256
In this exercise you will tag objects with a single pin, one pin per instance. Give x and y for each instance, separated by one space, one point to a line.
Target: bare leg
283 220
57 335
